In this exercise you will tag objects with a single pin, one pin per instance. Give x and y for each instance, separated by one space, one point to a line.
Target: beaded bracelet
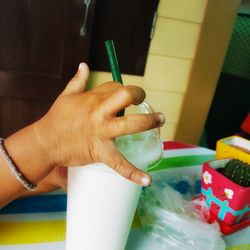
14 170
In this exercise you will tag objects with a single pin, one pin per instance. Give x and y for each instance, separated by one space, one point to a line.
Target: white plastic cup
101 203
100 210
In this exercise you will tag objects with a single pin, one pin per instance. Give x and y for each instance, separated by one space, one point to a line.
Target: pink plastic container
228 201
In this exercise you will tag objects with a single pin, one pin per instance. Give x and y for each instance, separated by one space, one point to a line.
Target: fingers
78 83
122 98
127 170
130 124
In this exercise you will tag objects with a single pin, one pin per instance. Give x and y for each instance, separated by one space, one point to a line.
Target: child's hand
81 126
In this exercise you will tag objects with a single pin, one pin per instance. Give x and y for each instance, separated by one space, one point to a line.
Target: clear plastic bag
174 223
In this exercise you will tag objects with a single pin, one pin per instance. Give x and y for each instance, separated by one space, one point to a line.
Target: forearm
30 159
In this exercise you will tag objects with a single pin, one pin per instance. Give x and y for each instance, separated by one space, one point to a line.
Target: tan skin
79 129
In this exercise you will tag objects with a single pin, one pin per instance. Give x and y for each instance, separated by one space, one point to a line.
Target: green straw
116 73
110 49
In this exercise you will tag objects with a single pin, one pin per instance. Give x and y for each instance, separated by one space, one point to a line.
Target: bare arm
31 160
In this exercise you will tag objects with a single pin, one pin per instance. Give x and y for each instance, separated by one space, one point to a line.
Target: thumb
78 83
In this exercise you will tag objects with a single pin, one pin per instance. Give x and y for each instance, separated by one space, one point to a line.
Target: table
38 222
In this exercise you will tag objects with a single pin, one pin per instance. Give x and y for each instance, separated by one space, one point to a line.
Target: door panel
32 36
40 49
21 111
129 26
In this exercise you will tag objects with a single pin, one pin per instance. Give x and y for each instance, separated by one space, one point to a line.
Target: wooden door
130 24
40 48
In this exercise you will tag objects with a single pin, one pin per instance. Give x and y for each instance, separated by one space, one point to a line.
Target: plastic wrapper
185 180
175 223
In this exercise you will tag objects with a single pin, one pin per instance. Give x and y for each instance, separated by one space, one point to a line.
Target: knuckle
118 164
152 122
123 167
126 93
129 174
114 84
149 122
111 85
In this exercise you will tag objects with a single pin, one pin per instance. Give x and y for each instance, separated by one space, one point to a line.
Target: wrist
28 154
46 139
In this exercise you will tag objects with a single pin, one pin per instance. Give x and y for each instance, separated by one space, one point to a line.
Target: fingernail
145 181
161 118
80 66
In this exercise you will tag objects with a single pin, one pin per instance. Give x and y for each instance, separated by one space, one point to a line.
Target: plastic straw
114 67
110 49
